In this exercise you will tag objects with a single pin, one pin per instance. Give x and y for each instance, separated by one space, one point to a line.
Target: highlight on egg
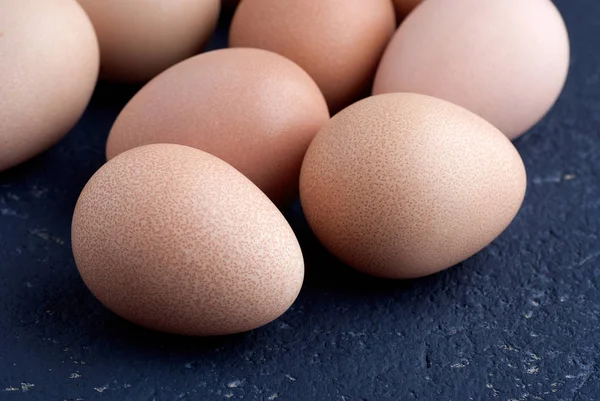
140 39
176 240
49 67
338 42
405 185
506 61
255 109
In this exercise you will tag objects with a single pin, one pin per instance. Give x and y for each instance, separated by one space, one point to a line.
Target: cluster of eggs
181 230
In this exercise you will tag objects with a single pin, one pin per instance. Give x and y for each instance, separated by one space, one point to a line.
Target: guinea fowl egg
254 109
49 68
506 61
174 239
405 185
338 42
140 39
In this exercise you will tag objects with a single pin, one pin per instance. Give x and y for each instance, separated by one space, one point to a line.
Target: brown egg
140 39
176 240
252 108
506 61
405 185
338 42
48 70
404 7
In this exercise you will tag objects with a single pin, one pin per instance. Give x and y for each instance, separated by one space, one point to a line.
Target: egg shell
338 42
252 108
405 185
174 239
48 69
140 39
506 61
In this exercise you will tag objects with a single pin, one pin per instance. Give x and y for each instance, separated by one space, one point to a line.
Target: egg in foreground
406 185
176 240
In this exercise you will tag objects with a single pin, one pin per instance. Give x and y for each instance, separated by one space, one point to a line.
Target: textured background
519 321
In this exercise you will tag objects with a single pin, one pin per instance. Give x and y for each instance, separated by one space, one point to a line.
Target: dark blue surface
519 321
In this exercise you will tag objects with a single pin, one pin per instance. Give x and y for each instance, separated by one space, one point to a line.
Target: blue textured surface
519 321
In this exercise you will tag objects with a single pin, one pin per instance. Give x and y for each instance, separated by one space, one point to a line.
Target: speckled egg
48 70
405 185
338 42
252 108
174 239
506 61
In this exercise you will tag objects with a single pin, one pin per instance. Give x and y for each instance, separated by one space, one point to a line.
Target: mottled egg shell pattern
176 240
405 185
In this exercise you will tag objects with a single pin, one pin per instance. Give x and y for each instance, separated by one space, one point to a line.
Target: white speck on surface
532 334
101 389
75 376
535 303
532 370
38 192
533 356
489 385
9 212
274 396
551 179
126 385
528 315
458 365
228 395
507 347
43 234
188 365
569 177
583 261
290 378
570 377
234 384
11 389
25 387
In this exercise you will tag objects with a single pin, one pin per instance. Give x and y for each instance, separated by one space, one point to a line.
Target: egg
176 240
140 39
506 61
404 7
49 67
254 109
405 185
338 42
